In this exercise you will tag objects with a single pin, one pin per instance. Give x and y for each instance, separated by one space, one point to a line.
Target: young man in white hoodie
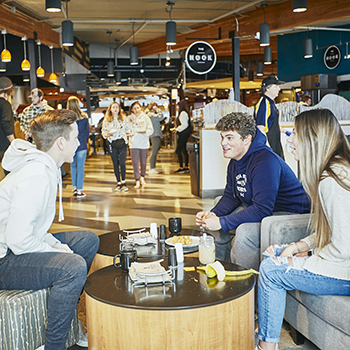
31 257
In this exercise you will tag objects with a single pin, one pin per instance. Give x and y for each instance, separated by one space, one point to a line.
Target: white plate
195 242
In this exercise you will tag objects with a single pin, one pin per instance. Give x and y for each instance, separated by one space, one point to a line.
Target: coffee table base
229 325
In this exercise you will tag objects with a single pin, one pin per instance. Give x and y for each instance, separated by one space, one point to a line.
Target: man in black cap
7 129
38 106
266 113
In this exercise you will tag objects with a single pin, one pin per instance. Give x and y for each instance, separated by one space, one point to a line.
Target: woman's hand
297 249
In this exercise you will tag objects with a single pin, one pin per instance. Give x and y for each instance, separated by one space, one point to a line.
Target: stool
23 318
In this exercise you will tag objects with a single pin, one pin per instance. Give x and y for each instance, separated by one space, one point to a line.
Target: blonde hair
109 114
321 145
73 105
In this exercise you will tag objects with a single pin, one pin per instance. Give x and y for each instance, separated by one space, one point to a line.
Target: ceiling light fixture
260 69
25 65
268 55
251 76
134 56
40 71
170 27
53 76
110 64
299 5
308 51
26 78
53 5
5 54
264 29
67 29
2 66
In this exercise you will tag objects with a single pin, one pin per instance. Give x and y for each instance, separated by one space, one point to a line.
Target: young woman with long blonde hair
77 167
319 263
114 129
142 129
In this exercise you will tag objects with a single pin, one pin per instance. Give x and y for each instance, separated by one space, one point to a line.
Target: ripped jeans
276 277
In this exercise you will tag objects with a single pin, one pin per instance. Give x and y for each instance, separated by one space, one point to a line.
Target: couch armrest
282 229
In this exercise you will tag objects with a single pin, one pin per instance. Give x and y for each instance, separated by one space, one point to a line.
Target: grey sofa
323 319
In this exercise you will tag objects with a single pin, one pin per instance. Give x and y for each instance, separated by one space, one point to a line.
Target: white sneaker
153 171
42 347
83 337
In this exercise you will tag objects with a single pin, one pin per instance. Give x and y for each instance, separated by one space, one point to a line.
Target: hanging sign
200 57
332 57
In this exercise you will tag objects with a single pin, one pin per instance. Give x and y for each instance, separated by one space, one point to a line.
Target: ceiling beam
279 16
20 25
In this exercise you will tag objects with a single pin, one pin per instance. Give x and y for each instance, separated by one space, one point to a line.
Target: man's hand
207 219
63 248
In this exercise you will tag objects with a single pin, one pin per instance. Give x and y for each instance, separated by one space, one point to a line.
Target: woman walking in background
114 128
141 129
156 116
184 131
78 165
320 263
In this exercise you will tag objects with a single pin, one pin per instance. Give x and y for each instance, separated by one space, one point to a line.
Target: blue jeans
118 156
63 273
274 281
77 169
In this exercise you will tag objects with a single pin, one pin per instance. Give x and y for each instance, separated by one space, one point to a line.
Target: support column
235 65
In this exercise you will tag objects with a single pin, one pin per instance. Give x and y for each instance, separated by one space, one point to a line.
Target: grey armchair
323 319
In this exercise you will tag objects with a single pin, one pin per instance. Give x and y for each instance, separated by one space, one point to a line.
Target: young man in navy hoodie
258 184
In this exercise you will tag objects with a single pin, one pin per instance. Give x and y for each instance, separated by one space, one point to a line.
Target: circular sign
332 57
200 57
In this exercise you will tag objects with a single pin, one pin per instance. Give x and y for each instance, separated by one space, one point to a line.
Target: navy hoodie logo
241 181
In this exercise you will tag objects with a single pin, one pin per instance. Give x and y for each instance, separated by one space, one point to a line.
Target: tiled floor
165 195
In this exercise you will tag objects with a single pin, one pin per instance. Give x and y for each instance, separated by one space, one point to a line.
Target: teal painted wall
291 64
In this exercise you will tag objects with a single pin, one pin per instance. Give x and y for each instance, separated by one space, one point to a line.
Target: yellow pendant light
5 54
40 71
53 76
25 65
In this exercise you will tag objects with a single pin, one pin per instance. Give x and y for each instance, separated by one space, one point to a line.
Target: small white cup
154 230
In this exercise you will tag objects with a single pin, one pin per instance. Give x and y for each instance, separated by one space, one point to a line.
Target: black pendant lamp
260 69
268 55
308 51
67 30
53 5
299 5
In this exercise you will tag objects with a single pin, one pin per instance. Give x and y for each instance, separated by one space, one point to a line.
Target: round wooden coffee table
192 313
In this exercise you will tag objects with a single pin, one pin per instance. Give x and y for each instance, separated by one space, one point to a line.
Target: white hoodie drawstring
60 210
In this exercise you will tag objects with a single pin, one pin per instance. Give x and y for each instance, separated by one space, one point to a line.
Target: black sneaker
124 187
179 171
186 170
118 188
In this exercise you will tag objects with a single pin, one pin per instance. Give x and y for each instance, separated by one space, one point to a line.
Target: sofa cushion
328 307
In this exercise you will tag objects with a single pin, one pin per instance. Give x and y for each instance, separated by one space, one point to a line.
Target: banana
229 275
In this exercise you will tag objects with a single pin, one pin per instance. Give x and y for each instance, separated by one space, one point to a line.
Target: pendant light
2 67
268 55
5 54
25 65
299 5
260 69
170 28
26 78
308 51
251 76
53 76
134 56
264 29
53 5
110 64
40 71
67 30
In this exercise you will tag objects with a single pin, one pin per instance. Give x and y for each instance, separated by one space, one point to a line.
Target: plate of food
187 241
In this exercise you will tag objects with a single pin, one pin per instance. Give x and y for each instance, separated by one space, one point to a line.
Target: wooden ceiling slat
19 25
279 16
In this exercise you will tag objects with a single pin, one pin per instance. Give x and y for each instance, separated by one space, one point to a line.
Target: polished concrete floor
165 195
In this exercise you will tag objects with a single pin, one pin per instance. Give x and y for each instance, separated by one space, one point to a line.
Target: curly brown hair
243 123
